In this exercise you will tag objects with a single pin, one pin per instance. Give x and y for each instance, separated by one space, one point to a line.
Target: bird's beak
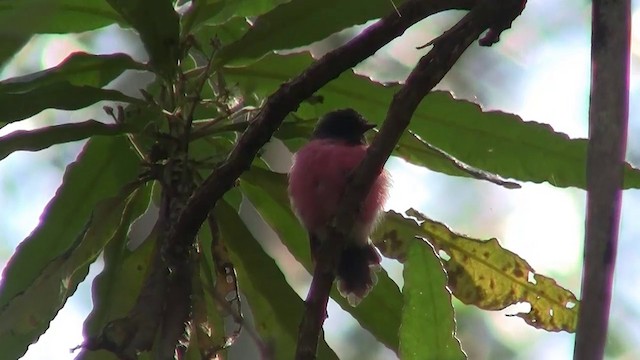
369 126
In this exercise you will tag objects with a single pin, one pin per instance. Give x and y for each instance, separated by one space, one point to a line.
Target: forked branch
495 16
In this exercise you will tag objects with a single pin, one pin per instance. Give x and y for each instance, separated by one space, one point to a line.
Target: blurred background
539 70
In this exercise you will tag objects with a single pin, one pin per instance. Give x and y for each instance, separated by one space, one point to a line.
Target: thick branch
608 116
428 72
288 98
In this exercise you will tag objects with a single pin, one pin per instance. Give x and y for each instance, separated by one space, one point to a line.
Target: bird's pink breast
318 178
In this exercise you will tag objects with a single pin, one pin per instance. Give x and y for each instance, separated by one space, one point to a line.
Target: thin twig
195 100
201 128
608 117
227 280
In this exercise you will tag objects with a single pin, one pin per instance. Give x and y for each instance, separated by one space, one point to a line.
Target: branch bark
608 117
495 16
289 96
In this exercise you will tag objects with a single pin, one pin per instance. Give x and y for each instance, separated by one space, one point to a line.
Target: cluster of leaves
213 70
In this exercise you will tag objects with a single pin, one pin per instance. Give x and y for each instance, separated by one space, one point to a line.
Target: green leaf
196 13
302 22
61 95
225 33
295 134
77 69
19 20
227 9
482 273
28 314
208 330
414 150
57 16
105 165
115 290
210 285
276 308
379 312
158 26
34 140
496 142
73 84
428 321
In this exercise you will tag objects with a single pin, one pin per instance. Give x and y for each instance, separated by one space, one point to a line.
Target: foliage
213 71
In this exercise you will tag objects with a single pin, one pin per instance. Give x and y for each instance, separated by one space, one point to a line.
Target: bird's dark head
346 125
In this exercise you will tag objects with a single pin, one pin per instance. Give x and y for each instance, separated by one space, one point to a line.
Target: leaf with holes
482 273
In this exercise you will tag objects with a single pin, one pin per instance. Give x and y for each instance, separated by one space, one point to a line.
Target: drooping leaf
34 140
105 165
276 308
379 312
482 273
73 84
302 22
496 142
58 16
215 294
115 290
208 330
77 69
61 95
411 148
19 20
428 321
158 26
28 314
414 150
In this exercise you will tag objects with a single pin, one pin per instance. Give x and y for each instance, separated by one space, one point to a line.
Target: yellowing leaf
482 273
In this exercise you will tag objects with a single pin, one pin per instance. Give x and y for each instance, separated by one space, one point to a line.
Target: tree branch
608 117
289 96
427 73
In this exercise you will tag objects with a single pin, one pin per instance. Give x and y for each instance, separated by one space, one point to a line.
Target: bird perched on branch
317 181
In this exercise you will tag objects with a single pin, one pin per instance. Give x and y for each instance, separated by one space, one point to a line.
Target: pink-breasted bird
317 182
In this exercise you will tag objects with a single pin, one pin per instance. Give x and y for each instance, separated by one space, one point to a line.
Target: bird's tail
357 272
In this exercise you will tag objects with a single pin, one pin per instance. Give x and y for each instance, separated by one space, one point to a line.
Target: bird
317 182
